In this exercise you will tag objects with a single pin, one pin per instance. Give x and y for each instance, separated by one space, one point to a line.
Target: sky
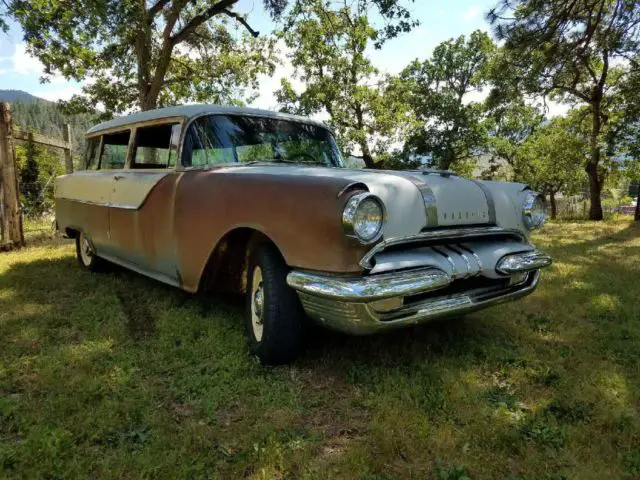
439 21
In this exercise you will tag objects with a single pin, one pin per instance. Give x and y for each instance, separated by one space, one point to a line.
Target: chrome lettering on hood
458 201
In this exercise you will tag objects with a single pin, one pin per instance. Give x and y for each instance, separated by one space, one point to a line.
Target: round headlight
534 211
363 217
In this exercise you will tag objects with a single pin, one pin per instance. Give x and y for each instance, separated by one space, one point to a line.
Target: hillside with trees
34 114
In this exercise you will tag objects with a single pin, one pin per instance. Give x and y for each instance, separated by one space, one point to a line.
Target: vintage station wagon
210 198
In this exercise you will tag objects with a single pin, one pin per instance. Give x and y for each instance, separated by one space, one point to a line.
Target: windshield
216 139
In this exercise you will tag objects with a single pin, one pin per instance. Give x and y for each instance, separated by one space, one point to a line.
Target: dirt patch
141 324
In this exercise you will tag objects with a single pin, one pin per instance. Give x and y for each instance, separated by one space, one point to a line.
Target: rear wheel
274 317
85 253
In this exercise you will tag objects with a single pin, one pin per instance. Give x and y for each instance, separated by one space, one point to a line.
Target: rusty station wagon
210 198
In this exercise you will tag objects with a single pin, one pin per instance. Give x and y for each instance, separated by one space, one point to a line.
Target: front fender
301 214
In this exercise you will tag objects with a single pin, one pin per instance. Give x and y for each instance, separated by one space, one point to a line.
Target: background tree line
472 106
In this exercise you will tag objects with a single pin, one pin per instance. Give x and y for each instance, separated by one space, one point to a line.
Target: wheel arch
227 265
71 232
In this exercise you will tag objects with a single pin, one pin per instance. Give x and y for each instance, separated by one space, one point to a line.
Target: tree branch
242 20
200 18
157 7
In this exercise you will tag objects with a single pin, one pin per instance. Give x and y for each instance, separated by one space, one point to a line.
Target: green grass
116 376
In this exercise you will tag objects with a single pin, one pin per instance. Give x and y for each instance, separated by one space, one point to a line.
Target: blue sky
440 20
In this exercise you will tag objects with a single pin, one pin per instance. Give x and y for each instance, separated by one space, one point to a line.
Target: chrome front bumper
369 304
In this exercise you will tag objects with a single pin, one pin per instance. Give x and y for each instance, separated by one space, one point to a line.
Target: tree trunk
595 182
10 215
637 214
554 207
367 157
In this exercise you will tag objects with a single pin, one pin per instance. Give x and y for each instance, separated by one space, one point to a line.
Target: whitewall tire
85 253
274 318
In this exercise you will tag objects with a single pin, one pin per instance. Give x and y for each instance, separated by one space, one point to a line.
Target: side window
91 160
156 146
114 150
207 144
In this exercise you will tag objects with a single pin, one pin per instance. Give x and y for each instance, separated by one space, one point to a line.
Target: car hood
414 200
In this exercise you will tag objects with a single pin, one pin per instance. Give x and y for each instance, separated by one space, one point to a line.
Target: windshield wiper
285 160
282 160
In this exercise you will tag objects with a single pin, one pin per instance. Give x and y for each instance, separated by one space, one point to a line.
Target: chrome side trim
490 202
444 234
523 262
367 289
107 204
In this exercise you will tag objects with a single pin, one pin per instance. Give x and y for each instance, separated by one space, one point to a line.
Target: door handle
118 177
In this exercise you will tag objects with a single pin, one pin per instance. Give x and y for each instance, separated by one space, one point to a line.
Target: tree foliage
37 168
141 54
509 126
628 128
4 26
566 49
550 160
448 124
328 52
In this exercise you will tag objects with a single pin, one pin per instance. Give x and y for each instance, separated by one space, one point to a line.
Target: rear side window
114 150
156 146
91 160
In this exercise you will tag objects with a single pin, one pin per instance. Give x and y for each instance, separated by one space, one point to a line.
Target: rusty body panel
145 236
72 215
301 215
172 235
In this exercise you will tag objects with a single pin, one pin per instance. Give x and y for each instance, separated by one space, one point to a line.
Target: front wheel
274 316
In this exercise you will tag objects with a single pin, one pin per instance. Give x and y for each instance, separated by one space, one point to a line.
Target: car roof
190 111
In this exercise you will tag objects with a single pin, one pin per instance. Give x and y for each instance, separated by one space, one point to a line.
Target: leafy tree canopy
328 45
550 159
566 49
143 54
449 128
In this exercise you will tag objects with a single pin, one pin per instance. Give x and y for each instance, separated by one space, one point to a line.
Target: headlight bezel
349 217
530 218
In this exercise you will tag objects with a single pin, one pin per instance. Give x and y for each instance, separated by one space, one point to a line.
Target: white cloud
477 96
24 63
64 93
270 84
555 109
471 13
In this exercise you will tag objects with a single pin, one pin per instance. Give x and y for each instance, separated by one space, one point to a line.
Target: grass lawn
116 376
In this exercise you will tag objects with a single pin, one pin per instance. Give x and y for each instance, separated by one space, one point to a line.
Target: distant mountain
19 96
31 113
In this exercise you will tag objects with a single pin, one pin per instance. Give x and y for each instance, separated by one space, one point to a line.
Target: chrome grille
439 236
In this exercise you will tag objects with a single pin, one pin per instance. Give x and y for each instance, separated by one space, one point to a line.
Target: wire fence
37 207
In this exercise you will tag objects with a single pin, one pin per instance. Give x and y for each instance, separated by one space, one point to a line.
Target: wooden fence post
68 161
11 216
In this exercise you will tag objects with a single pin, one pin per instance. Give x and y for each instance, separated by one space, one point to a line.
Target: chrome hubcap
258 300
257 303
